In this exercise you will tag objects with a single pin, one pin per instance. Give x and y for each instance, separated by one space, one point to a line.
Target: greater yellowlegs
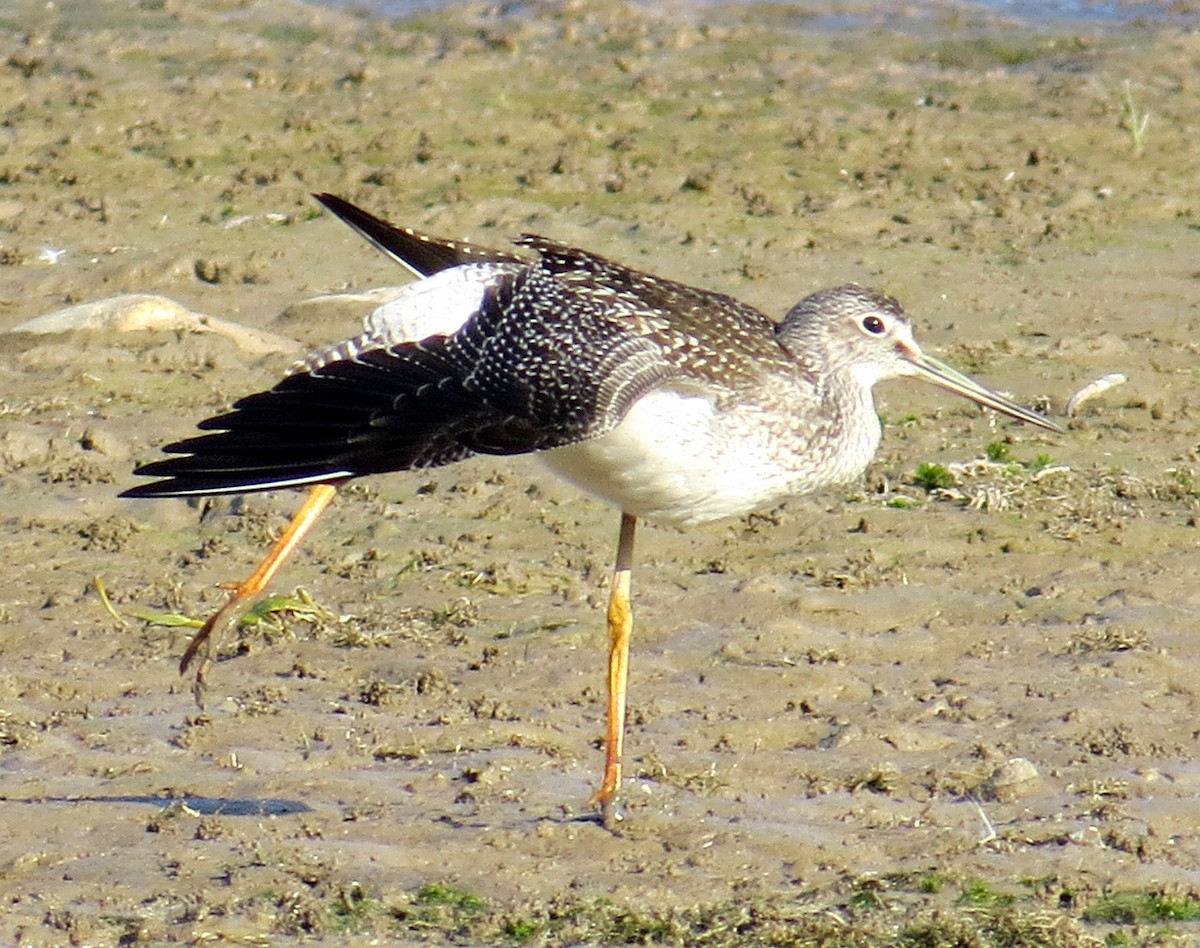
672 403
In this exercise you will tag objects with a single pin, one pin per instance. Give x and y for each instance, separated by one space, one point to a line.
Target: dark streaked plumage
557 350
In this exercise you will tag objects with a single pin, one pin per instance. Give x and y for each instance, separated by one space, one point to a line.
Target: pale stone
1015 778
135 312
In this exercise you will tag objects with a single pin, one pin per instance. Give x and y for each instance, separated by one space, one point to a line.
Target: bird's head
859 334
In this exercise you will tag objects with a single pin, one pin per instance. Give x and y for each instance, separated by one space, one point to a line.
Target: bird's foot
607 804
612 814
209 635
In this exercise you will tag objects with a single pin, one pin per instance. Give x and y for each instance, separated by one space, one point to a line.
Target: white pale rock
135 312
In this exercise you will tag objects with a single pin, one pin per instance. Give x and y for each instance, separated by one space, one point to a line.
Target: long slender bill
935 371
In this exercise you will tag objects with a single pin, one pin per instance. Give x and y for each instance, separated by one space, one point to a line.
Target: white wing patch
436 306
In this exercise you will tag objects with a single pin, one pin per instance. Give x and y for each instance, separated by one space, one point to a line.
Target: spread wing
518 376
556 351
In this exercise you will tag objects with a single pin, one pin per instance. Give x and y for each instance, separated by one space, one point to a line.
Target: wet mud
959 697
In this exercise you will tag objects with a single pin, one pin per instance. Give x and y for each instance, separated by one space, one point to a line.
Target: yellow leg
620 627
225 618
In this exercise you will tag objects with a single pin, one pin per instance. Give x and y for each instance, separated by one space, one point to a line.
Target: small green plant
999 451
520 929
1134 908
869 894
640 928
437 893
933 477
352 908
1134 120
978 892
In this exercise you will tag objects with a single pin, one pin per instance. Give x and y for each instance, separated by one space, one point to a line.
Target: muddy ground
902 712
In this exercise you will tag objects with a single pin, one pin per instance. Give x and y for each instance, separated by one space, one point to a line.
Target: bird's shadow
205 806
233 806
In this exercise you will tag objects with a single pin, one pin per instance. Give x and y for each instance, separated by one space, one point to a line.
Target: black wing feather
422 253
540 365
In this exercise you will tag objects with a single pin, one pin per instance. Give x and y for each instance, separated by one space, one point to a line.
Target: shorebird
672 403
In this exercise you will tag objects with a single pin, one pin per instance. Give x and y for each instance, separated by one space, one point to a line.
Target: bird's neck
852 430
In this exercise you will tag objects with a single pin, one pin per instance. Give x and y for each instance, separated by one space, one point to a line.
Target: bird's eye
873 325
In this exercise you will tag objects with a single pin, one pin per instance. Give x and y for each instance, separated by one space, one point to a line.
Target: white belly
673 459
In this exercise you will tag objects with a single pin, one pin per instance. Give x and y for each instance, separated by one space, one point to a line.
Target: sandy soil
865 715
